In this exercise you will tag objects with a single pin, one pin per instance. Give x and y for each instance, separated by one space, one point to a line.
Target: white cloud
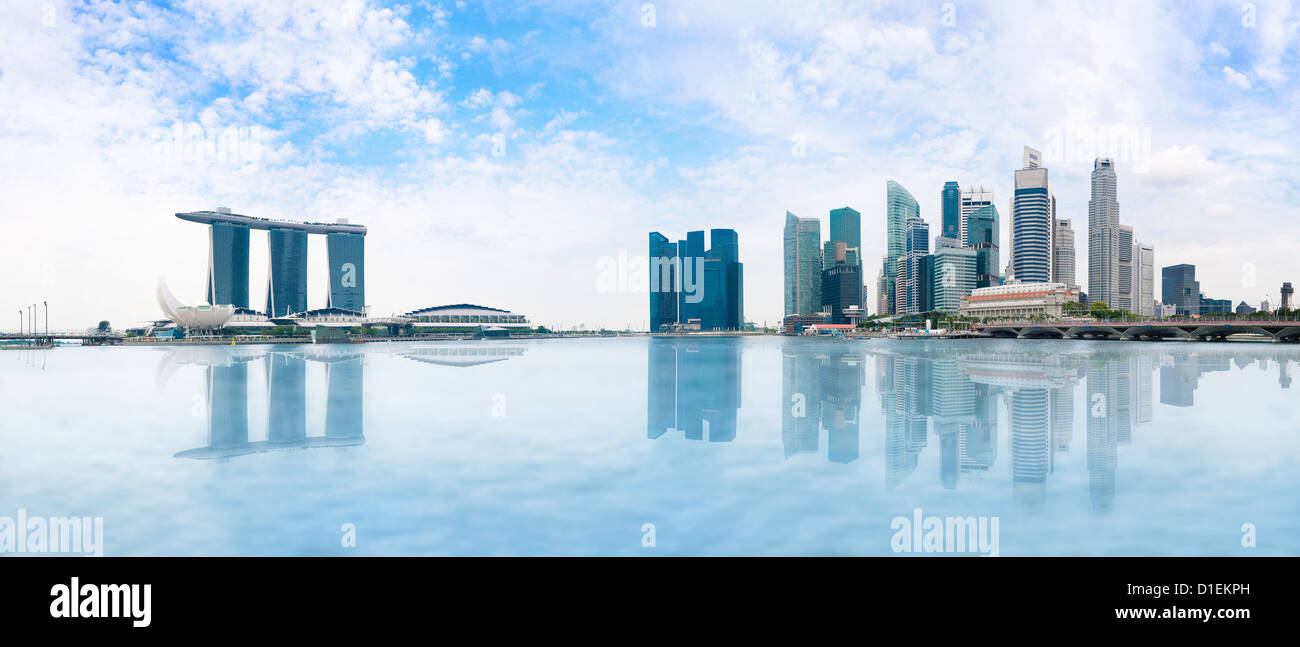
1235 78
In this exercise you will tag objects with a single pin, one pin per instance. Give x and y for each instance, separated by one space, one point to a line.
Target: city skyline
460 129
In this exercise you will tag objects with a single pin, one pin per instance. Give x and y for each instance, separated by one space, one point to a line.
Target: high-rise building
347 259
1287 293
1180 288
1144 263
803 265
882 289
953 277
711 289
841 283
664 270
982 236
950 201
1063 254
900 207
286 287
1124 298
910 286
846 227
970 201
228 264
1103 235
1031 223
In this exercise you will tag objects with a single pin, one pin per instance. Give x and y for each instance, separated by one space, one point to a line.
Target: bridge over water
1202 330
90 338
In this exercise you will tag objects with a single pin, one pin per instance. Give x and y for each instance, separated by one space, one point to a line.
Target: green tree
104 327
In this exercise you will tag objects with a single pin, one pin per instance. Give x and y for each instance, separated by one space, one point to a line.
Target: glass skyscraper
228 264
286 289
1180 288
900 206
663 281
1031 223
953 277
950 200
982 236
846 227
803 265
347 259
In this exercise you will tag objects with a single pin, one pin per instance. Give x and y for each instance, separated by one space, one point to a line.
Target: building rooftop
223 215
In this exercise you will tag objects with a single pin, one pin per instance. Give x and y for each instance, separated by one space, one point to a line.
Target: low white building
1019 300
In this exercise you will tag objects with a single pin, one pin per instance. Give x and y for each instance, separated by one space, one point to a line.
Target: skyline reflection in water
731 446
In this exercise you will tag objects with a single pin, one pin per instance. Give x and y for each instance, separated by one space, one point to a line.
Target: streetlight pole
47 317
20 321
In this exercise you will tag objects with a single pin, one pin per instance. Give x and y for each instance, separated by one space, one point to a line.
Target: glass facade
841 288
347 259
950 199
663 281
982 235
286 290
900 207
228 264
1180 288
691 252
953 278
1031 228
846 227
803 265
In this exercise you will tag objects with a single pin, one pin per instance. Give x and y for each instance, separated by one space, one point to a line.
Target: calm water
759 445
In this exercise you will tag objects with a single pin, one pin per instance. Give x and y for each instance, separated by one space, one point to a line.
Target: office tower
1265 306
972 200
663 282
228 264
710 290
347 259
900 207
882 289
286 289
803 265
1031 223
1144 286
846 227
954 277
950 201
1180 288
1063 254
841 284
690 295
910 287
723 305
1124 296
982 236
1287 293
1103 235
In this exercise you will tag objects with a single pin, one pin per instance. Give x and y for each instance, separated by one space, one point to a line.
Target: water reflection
958 400
284 372
694 387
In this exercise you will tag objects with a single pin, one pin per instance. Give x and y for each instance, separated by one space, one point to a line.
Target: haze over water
728 446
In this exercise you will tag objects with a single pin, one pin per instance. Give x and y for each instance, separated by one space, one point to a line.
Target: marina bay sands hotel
286 291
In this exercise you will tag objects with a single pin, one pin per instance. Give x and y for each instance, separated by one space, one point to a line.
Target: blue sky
505 153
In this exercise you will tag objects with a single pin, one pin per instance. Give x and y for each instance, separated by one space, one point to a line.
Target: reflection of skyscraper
1062 403
694 387
841 389
228 404
286 386
1030 444
343 400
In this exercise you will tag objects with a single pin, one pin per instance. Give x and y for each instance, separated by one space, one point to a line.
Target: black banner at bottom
323 595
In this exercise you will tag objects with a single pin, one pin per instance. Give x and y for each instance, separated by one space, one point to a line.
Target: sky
517 154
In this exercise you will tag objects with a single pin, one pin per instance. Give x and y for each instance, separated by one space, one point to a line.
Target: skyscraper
972 200
1031 223
1103 235
663 281
286 288
228 264
910 286
347 259
950 201
1180 288
841 283
953 277
710 292
982 236
1144 264
900 206
846 227
1287 293
803 265
1063 254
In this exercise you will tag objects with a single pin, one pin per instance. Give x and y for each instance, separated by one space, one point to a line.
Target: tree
104 327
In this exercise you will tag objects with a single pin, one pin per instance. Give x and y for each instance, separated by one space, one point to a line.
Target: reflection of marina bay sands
285 377
286 291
